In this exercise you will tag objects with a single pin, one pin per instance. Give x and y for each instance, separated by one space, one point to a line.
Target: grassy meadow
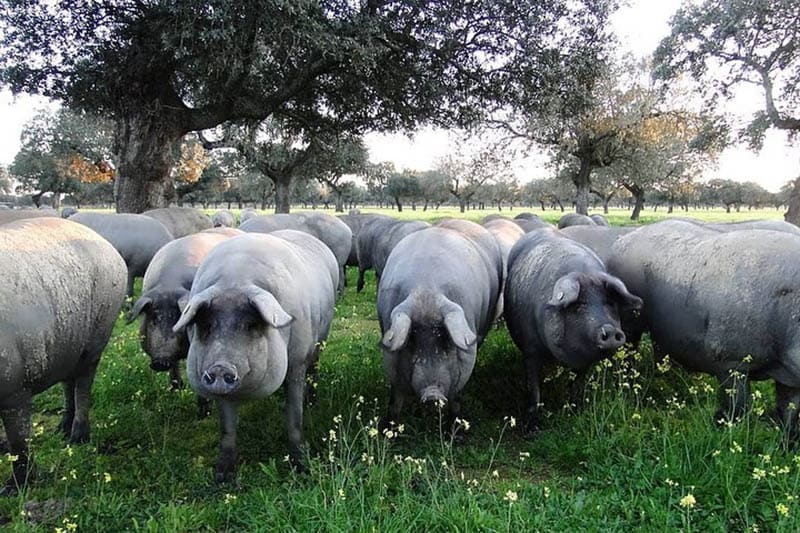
641 453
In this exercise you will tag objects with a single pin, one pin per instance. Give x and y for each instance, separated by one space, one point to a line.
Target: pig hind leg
533 373
295 390
82 392
65 427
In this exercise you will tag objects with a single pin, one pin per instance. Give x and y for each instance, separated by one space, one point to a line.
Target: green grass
623 461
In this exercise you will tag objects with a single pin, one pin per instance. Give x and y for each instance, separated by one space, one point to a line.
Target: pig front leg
360 283
226 463
17 423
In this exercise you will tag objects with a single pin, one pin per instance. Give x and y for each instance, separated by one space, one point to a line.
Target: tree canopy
724 44
162 69
63 152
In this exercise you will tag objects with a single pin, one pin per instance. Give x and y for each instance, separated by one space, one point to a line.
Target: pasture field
640 453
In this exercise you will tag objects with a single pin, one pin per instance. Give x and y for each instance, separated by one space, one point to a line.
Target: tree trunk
728 208
283 189
638 195
339 203
792 214
145 147
399 205
462 205
605 205
582 182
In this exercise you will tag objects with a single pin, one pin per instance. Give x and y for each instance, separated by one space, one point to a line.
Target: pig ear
141 304
616 288
193 305
269 309
456 324
397 334
565 291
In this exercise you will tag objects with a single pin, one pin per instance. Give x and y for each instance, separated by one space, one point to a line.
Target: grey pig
721 303
137 238
561 306
436 301
63 286
259 308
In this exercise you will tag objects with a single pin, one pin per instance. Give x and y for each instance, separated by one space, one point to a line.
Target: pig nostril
619 337
230 379
603 334
208 378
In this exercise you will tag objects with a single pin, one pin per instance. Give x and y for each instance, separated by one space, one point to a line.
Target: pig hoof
385 423
458 438
224 472
297 466
532 429
65 426
79 434
9 488
223 476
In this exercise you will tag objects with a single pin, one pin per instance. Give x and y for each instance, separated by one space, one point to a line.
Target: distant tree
729 193
553 192
61 150
724 44
501 192
754 195
334 157
664 149
472 163
376 176
162 69
403 186
434 188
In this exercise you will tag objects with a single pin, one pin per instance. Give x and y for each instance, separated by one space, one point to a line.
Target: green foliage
382 64
63 151
724 44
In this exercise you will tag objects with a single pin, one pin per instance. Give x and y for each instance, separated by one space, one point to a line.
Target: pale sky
640 26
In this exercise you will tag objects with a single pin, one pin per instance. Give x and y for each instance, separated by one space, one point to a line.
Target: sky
640 25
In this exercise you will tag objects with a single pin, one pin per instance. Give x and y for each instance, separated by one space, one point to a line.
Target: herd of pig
249 308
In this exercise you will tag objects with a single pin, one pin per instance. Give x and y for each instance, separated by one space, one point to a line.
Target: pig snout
221 378
433 396
610 337
160 365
